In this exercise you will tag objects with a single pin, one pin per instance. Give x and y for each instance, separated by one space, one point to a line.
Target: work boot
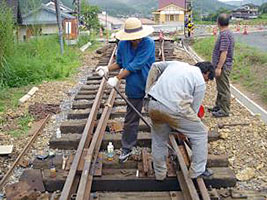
220 113
207 173
125 154
214 109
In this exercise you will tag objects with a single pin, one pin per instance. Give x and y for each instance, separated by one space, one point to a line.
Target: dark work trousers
131 123
223 100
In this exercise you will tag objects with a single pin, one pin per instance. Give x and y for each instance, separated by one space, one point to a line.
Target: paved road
258 40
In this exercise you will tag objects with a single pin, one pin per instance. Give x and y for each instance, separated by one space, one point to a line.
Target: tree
214 16
89 16
263 8
6 31
6 38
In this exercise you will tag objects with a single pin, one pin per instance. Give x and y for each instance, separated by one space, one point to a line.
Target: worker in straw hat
135 55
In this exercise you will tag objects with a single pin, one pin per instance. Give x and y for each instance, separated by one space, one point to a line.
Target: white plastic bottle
58 133
110 151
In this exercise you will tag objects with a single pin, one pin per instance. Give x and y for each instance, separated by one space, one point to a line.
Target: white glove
102 71
112 82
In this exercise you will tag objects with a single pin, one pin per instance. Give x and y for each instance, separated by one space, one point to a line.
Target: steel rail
85 139
86 180
33 138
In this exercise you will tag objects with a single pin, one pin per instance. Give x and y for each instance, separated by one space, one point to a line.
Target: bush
36 60
6 36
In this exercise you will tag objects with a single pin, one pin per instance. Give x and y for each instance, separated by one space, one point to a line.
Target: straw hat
133 30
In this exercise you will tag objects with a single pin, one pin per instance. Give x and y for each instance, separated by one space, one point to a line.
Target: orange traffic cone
214 31
245 30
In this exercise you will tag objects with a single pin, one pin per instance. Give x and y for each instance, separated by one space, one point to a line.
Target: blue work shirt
138 61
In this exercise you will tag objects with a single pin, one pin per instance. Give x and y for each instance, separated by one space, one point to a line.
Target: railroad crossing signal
188 24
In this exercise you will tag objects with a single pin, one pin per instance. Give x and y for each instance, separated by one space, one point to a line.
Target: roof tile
163 3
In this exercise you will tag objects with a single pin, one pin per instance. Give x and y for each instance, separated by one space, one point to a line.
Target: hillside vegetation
239 3
144 8
126 8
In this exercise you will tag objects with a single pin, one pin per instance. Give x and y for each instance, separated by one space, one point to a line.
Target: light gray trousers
164 120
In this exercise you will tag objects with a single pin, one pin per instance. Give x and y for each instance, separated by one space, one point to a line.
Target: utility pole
107 26
59 22
79 10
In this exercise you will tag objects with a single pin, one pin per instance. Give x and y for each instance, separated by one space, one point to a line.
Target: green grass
9 97
31 63
23 126
198 22
249 68
36 60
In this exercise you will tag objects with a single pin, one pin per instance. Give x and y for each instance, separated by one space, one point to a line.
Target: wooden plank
77 126
67 141
222 177
217 160
192 193
6 149
139 195
83 104
73 126
33 178
176 196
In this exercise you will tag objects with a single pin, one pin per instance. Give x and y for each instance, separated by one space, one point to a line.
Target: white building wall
46 29
50 29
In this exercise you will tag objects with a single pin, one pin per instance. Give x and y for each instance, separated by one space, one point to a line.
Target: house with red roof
170 11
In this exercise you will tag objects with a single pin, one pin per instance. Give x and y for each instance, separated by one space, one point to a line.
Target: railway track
96 118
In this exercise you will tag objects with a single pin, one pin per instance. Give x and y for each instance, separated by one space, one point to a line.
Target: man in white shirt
176 91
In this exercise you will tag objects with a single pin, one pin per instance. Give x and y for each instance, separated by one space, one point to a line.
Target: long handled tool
233 124
137 112
132 106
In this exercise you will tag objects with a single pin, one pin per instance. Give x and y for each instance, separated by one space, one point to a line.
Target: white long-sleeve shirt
179 86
